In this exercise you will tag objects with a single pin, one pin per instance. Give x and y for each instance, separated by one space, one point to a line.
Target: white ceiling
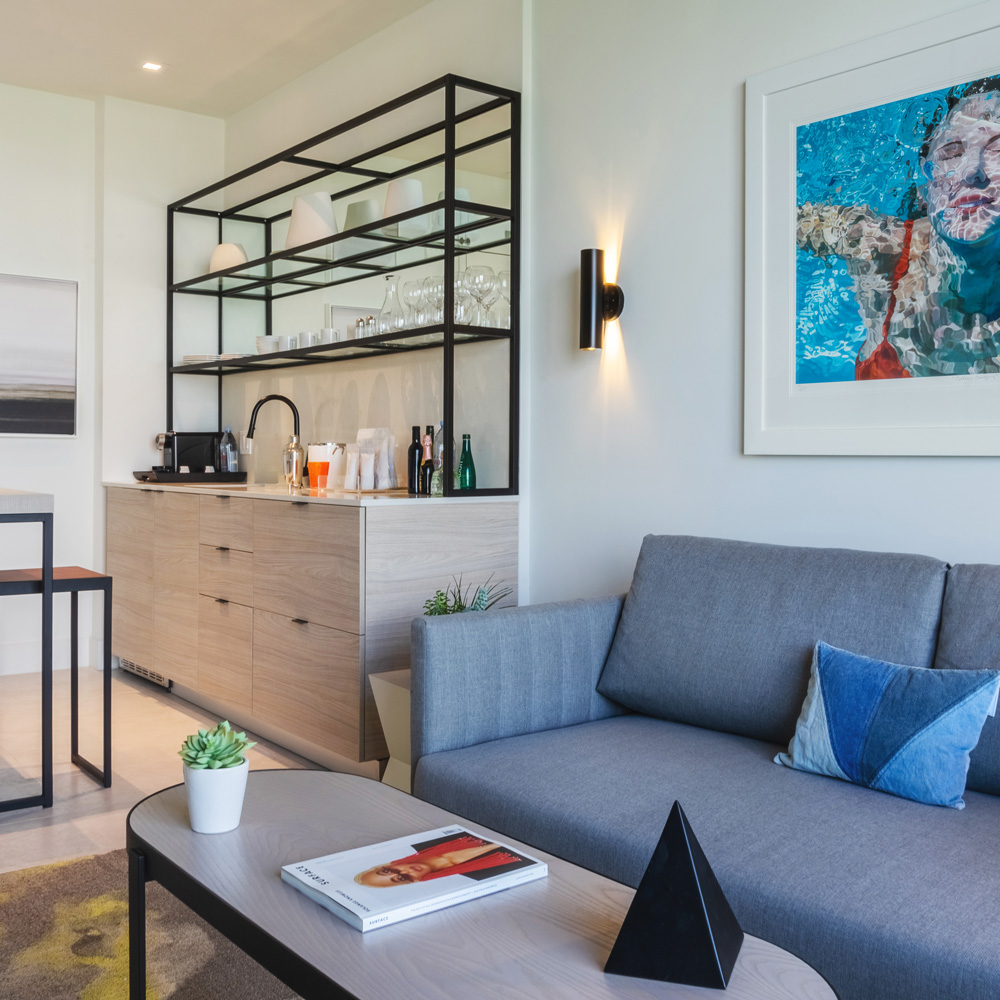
218 55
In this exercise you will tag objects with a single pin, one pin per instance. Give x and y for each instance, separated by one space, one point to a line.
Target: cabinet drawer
308 562
225 652
307 679
227 521
226 573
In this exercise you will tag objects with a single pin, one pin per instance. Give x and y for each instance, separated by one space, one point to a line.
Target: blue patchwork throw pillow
903 730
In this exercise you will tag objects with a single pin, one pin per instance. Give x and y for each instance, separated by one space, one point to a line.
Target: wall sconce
600 301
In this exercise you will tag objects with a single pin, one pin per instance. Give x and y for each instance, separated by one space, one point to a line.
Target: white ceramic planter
215 797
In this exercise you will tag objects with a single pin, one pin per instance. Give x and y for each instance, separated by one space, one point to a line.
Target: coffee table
547 939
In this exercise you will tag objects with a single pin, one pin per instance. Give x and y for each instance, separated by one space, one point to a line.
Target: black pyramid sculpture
680 927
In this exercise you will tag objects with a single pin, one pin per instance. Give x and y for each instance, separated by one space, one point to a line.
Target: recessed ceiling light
152 66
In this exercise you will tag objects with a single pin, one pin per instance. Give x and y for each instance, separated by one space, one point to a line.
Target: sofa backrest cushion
720 634
970 640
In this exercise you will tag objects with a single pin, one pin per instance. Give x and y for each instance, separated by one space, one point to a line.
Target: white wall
47 220
637 142
150 157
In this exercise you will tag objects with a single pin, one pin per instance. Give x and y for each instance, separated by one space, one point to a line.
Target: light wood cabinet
306 679
175 574
225 652
308 562
275 611
129 532
226 573
227 522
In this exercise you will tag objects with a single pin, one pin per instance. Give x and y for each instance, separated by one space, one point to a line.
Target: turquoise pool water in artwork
869 157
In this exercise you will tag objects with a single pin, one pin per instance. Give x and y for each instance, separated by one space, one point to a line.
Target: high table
546 940
18 506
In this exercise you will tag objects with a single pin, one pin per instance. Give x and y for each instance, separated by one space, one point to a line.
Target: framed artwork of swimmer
873 246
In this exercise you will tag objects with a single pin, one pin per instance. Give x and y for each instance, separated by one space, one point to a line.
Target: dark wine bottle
413 464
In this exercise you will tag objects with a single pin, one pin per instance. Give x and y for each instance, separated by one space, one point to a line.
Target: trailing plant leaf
215 748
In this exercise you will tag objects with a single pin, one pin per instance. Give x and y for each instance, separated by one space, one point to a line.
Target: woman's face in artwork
398 873
962 171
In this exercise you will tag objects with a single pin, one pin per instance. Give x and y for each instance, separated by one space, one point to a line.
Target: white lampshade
359 213
312 219
227 255
402 195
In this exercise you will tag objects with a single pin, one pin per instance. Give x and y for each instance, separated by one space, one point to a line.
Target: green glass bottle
466 466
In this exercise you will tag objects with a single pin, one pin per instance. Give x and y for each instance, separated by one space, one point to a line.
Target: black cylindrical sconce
600 301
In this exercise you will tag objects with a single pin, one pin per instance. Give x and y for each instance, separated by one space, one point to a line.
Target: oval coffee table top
547 939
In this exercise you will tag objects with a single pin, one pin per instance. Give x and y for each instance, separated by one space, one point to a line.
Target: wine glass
434 290
463 302
501 312
413 294
479 280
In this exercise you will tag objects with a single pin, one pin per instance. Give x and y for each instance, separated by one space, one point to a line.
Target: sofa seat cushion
884 897
720 634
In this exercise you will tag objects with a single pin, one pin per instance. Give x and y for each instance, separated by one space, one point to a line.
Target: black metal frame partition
259 280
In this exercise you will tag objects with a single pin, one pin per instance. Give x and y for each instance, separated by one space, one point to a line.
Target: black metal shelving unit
464 227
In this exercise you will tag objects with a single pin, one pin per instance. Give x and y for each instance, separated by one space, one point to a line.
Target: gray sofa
574 727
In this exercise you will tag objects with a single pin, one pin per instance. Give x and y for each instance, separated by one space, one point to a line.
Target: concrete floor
148 726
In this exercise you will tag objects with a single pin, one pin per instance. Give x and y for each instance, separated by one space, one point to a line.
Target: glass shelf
422 339
304 269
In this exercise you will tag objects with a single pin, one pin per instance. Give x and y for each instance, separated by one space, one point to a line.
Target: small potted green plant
454 600
215 776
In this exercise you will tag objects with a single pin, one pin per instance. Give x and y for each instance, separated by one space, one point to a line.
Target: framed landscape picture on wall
37 356
873 246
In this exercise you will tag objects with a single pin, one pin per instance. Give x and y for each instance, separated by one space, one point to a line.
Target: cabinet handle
300 621
221 548
221 600
300 503
222 496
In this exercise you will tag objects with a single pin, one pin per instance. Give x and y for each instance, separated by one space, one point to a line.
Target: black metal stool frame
72 586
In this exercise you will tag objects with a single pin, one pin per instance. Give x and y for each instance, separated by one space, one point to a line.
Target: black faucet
261 402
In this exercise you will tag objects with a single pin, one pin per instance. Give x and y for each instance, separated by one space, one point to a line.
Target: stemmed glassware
500 311
413 295
434 293
463 302
479 281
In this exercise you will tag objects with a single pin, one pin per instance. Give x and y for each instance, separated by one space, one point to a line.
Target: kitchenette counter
278 491
273 614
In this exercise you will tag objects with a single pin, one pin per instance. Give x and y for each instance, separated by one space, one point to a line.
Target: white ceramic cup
287 342
309 338
267 345
328 335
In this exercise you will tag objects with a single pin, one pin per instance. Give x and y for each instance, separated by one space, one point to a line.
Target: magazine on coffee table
384 883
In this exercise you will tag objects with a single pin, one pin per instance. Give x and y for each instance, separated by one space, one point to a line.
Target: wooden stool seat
71 580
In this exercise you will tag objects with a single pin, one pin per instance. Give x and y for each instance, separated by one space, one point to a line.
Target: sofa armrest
482 676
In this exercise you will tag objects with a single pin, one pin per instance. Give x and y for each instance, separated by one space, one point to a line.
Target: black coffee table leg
136 925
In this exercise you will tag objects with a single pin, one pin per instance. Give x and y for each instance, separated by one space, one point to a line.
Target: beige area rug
64 936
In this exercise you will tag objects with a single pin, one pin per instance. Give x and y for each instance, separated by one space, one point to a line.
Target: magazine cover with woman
398 879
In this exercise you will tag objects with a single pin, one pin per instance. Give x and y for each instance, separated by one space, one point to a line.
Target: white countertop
274 491
23 502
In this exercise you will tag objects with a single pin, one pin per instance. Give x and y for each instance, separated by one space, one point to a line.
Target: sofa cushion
886 898
720 634
970 640
903 730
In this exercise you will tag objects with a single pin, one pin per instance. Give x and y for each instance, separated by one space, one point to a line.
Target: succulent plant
215 748
454 601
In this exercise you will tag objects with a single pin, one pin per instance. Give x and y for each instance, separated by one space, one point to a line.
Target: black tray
150 476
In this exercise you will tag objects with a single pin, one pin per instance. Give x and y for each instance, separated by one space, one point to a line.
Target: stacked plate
197 359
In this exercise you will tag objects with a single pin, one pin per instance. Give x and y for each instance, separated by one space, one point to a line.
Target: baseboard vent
149 675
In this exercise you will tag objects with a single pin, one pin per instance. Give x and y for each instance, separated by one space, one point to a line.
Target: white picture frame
957 415
38 356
